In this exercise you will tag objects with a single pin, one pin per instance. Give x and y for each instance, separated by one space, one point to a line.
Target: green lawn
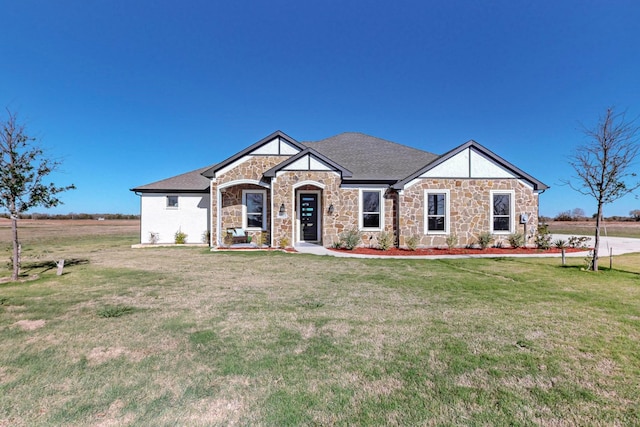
180 336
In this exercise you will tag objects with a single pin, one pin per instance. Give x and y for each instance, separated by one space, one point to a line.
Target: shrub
484 240
180 237
516 240
452 240
153 237
412 242
385 240
578 241
560 244
263 238
336 245
284 242
350 239
543 237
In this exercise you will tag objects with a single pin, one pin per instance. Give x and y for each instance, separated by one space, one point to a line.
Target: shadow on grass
44 266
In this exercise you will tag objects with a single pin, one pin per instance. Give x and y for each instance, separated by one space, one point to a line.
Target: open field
183 336
610 228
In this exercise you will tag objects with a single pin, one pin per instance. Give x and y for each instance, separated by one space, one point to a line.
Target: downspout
397 219
273 216
140 226
210 214
218 219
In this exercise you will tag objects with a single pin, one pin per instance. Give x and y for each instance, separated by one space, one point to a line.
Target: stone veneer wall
253 169
344 200
283 193
470 209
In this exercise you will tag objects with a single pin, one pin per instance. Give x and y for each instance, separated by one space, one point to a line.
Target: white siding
191 217
481 167
455 167
468 164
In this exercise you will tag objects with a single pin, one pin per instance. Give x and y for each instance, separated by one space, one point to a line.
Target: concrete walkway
619 245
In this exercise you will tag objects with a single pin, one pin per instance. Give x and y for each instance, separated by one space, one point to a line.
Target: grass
289 339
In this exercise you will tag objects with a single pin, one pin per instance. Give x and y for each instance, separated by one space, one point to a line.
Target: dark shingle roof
192 182
371 158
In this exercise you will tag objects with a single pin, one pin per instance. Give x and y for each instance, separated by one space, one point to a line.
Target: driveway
619 245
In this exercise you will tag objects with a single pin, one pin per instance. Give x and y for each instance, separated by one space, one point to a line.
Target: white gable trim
276 147
308 163
468 163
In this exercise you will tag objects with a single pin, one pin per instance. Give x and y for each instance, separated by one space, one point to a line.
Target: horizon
129 93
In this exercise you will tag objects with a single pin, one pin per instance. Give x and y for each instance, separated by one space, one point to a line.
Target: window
172 201
254 205
437 212
502 211
371 208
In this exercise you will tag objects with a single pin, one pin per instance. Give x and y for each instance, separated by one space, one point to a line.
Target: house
297 192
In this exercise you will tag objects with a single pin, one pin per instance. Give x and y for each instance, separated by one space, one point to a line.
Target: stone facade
470 210
470 205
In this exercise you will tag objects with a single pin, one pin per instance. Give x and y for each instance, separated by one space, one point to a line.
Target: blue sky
129 92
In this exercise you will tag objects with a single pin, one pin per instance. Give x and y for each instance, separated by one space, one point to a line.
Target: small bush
350 239
452 240
263 238
560 244
412 242
284 242
180 237
114 311
578 241
385 240
336 245
543 237
153 237
516 240
499 244
484 240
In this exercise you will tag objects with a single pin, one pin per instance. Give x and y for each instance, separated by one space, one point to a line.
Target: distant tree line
73 216
578 214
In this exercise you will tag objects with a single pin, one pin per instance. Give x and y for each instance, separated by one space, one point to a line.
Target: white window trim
512 211
264 210
447 211
166 202
360 222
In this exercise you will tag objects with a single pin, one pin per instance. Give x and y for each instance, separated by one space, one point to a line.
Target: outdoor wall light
281 211
331 209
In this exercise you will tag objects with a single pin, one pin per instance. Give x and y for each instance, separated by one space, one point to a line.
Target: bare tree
23 168
603 165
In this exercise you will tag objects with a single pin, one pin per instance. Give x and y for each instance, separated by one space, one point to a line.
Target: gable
276 147
470 160
468 164
308 160
307 163
276 144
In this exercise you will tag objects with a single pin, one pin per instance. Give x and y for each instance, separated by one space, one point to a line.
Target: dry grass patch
289 339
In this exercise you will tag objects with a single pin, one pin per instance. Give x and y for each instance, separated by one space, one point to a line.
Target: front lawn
175 336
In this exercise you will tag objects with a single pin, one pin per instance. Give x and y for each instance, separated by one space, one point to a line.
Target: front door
309 217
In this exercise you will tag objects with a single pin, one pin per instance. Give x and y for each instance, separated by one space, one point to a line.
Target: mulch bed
457 251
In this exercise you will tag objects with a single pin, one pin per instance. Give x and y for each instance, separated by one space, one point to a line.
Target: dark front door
309 216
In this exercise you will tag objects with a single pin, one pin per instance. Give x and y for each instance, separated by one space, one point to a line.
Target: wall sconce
331 209
281 211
